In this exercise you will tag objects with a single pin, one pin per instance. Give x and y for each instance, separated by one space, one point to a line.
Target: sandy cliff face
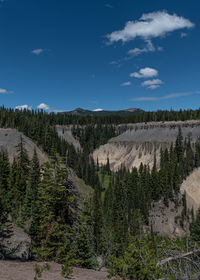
138 143
191 186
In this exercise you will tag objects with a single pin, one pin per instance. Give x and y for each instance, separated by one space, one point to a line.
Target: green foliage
195 228
54 217
45 199
66 269
5 231
97 219
138 262
38 269
32 189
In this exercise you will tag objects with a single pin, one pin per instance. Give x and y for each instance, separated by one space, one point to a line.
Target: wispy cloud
137 51
146 72
183 34
151 25
126 84
5 91
44 107
37 51
114 62
160 49
157 98
152 84
107 5
23 107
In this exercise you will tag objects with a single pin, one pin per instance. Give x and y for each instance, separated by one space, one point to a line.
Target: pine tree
32 188
195 227
4 175
54 217
5 231
97 218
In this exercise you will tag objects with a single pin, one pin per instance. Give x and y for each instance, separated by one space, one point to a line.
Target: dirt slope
12 270
10 138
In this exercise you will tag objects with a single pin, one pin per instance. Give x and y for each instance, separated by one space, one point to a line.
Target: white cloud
23 107
152 84
146 72
149 26
43 106
126 84
5 91
169 96
137 51
37 51
98 110
183 34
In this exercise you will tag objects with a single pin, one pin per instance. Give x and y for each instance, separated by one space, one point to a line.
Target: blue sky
63 54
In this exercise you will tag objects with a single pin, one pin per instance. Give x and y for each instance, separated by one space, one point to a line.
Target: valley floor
14 270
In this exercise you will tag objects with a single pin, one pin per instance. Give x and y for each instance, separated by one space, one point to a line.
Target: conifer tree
32 188
97 218
54 218
5 230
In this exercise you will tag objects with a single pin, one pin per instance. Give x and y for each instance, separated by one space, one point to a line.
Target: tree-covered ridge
44 202
112 221
20 119
92 136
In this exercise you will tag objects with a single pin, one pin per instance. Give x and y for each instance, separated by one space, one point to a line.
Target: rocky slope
19 244
191 187
10 138
167 220
137 143
65 132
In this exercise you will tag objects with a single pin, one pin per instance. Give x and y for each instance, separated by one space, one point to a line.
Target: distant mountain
100 112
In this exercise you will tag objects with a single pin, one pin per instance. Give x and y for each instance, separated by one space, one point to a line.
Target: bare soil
14 270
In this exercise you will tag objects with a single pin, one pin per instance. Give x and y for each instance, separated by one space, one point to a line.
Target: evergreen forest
113 223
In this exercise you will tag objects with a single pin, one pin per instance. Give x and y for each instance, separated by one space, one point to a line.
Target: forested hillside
114 222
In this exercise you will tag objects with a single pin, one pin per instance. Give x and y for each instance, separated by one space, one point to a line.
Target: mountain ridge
100 112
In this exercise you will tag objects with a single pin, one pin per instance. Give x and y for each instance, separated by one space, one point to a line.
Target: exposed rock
191 186
19 244
65 132
139 142
10 138
166 220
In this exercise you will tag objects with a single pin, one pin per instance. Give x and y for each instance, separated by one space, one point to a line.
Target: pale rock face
65 132
10 138
191 186
19 244
166 220
138 143
128 154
